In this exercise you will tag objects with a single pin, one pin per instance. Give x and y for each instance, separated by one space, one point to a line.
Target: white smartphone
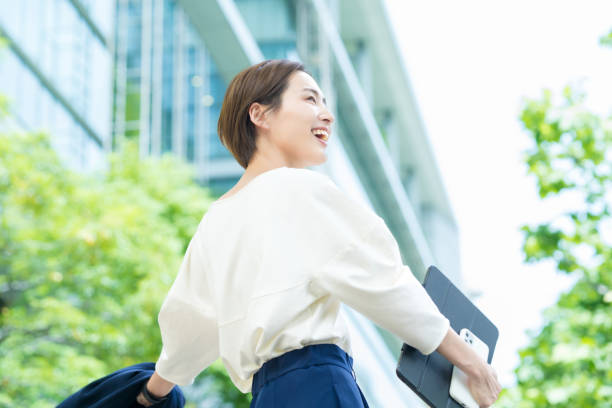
459 390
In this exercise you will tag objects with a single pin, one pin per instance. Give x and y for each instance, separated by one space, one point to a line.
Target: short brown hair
263 83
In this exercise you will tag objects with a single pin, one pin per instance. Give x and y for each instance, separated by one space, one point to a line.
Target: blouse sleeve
364 270
187 321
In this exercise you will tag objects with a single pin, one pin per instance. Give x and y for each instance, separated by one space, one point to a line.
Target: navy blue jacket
119 390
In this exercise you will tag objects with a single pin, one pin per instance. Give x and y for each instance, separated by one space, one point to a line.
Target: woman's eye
312 98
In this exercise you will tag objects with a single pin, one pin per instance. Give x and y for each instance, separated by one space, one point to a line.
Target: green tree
569 362
85 263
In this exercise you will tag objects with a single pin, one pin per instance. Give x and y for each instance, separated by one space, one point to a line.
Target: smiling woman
263 277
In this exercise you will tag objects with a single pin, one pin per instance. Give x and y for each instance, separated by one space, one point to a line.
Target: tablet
429 376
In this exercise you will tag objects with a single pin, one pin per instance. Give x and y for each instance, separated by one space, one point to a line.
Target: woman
263 277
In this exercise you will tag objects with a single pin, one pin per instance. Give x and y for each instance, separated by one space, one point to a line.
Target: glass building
174 59
55 71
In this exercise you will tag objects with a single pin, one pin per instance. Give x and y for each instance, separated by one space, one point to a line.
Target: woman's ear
258 115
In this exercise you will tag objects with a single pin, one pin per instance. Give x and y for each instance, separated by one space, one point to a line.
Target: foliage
3 106
606 39
569 363
85 263
3 98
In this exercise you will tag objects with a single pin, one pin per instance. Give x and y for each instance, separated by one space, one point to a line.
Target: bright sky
470 63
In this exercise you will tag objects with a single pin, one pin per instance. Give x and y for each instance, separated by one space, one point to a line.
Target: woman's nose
326 115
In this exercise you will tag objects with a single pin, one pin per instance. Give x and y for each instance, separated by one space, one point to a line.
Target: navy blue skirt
319 375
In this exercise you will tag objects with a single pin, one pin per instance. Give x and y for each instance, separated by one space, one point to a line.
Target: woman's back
261 269
259 275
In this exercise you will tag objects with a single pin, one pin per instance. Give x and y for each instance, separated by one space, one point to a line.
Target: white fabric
266 271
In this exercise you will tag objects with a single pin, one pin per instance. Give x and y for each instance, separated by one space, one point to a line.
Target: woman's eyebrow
314 91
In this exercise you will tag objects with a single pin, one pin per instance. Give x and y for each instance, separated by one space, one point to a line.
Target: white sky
470 63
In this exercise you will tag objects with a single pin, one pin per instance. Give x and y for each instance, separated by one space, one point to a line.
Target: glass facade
167 89
56 74
273 24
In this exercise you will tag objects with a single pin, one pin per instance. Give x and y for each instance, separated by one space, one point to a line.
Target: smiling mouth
321 134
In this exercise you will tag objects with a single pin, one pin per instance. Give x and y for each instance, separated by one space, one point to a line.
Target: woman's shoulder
303 179
303 174
294 183
315 190
296 189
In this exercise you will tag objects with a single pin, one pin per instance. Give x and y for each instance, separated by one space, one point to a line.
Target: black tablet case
430 376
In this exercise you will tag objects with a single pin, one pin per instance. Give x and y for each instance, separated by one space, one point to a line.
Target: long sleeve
188 321
364 268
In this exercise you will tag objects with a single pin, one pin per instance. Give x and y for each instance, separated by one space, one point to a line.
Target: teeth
321 133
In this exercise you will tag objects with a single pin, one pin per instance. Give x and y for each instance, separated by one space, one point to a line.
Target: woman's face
298 130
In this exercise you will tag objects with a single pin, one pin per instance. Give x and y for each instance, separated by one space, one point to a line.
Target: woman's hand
484 387
482 379
142 400
157 387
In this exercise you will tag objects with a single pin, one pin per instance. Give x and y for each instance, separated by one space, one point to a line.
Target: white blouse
266 271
